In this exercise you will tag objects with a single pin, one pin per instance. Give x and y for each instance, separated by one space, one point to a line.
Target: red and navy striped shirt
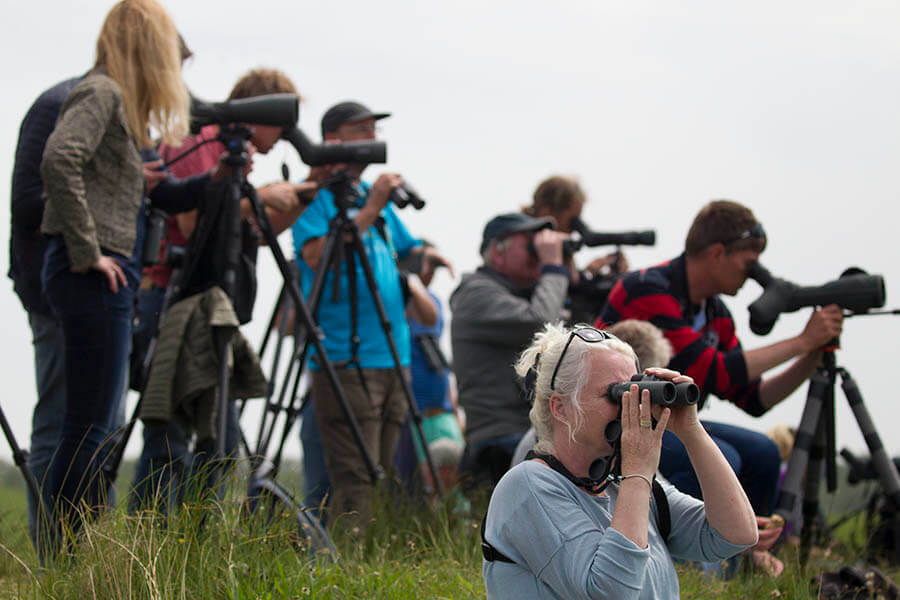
703 338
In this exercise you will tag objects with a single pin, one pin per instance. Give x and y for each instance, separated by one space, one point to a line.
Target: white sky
658 107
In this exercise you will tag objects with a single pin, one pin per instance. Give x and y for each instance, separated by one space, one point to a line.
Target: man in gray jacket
496 310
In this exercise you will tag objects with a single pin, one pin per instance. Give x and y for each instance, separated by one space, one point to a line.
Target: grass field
215 551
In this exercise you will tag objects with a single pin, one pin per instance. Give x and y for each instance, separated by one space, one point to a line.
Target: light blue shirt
563 546
334 317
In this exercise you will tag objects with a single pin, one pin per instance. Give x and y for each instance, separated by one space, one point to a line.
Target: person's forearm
282 220
632 510
727 509
421 307
175 195
312 252
773 390
365 218
762 359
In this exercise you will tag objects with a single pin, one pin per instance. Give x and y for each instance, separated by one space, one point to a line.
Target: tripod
343 248
815 443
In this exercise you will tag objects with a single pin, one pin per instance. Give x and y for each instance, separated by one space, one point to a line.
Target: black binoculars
664 393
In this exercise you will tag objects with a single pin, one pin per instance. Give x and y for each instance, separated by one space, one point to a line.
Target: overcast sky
657 107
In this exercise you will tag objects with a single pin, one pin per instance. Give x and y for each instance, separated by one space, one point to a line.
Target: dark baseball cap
510 223
347 112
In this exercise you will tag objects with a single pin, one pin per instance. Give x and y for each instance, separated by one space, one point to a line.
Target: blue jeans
316 484
46 422
752 456
167 471
96 325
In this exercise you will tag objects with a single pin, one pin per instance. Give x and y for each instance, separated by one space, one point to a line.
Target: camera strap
663 515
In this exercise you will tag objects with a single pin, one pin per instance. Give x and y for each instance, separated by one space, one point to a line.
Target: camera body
662 392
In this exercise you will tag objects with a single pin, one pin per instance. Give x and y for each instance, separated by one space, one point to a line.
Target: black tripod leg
386 327
811 491
830 449
314 333
270 406
271 326
20 458
803 442
884 466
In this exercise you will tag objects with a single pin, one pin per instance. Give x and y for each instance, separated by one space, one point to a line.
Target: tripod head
343 187
236 137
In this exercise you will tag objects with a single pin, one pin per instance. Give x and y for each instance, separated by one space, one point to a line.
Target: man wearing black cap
496 311
366 368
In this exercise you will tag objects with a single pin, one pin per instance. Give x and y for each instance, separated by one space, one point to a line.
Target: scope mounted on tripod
855 290
279 110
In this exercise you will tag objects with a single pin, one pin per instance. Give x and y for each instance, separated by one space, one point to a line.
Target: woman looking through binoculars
555 529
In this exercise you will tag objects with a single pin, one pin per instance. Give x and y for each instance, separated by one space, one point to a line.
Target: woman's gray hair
572 376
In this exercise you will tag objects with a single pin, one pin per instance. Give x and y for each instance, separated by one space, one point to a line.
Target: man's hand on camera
280 196
616 263
153 174
548 246
381 190
824 325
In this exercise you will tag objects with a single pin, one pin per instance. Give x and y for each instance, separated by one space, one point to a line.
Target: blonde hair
139 49
572 376
647 341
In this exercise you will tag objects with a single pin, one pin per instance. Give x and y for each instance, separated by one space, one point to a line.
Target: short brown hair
555 195
723 222
260 82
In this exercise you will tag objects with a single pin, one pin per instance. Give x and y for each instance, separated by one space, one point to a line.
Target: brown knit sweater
92 174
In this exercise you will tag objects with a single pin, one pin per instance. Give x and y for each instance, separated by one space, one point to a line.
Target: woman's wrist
692 434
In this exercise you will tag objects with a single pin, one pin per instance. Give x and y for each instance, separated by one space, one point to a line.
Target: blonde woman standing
94 183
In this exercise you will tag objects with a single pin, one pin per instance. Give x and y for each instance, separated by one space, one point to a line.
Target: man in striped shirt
681 297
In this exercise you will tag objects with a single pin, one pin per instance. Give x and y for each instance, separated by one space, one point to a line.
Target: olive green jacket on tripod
184 374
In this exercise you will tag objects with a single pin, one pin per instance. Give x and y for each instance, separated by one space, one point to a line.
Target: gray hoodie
493 321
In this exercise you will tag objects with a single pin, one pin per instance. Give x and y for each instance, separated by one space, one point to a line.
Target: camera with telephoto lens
855 290
585 236
662 392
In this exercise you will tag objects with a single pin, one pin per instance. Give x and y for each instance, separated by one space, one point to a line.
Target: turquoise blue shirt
382 252
563 546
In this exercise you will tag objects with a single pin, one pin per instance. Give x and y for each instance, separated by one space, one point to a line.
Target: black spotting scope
624 238
662 392
314 155
279 110
855 290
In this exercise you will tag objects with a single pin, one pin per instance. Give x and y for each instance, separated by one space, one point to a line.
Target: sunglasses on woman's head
585 334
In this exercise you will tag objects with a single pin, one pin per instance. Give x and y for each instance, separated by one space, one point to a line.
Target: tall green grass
215 550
